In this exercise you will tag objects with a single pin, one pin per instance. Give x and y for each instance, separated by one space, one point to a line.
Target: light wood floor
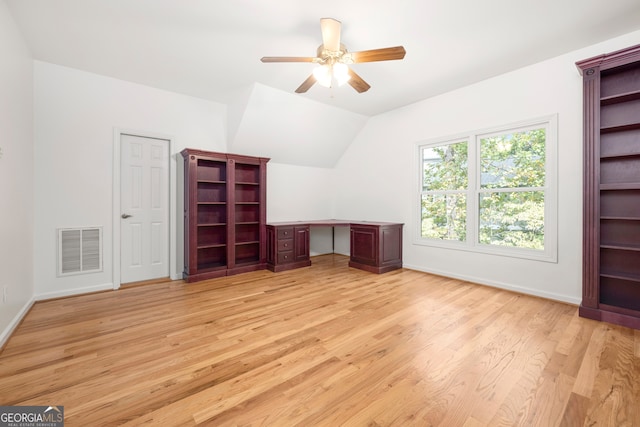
322 346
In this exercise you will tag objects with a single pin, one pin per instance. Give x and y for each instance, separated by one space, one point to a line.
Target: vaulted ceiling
212 49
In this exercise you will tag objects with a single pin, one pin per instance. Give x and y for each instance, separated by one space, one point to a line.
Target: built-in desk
375 246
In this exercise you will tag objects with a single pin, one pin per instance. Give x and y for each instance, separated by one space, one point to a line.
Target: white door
144 208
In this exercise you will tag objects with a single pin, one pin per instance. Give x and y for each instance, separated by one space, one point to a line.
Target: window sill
527 254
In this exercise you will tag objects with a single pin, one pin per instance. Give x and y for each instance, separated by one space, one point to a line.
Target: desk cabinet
376 248
287 247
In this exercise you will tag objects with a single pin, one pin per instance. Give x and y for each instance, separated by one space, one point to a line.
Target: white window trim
550 252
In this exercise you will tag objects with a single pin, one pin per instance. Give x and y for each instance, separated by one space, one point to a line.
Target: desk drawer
285 233
285 257
285 245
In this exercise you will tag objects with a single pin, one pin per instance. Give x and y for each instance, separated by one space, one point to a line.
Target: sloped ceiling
211 49
291 129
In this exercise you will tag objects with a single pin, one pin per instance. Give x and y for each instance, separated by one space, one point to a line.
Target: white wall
16 174
298 192
301 193
376 178
75 116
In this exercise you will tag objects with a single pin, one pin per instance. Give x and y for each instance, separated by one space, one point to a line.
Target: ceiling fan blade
330 34
384 54
288 59
357 83
306 85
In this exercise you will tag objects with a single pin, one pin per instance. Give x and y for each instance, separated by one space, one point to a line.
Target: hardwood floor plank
548 401
325 345
576 410
615 374
589 366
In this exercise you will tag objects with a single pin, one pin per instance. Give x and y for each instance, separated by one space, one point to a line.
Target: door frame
172 249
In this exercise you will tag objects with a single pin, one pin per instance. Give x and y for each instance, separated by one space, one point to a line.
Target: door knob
125 216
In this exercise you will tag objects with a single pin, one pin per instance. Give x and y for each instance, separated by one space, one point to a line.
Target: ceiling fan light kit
333 60
326 74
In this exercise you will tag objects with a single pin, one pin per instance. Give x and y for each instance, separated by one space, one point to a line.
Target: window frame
474 190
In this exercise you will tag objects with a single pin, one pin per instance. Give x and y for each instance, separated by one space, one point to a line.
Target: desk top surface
331 223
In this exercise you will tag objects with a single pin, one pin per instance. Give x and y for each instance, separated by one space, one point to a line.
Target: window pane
513 160
445 167
444 216
514 219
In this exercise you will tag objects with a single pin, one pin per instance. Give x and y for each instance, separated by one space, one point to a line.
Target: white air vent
79 250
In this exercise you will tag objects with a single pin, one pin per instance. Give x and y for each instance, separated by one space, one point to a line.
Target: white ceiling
211 48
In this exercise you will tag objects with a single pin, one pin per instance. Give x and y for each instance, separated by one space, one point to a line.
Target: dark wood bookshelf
225 214
611 195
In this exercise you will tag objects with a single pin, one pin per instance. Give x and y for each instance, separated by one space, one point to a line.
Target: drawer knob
286 245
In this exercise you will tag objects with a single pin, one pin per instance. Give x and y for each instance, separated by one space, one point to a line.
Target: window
492 191
444 191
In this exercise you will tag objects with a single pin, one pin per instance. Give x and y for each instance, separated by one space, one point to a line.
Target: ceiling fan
334 60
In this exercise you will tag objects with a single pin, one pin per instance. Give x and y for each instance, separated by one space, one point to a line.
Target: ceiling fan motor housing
330 56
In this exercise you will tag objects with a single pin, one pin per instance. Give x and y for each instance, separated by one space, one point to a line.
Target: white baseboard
501 285
6 334
316 253
74 291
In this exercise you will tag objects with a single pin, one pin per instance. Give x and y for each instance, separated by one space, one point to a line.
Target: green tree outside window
510 193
